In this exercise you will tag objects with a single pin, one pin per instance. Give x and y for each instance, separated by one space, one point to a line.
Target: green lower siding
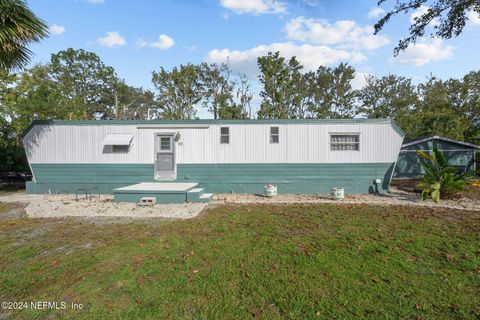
241 178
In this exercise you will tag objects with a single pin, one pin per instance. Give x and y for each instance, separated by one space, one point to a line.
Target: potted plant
270 190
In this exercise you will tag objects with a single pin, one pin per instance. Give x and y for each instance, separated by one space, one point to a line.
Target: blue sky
137 37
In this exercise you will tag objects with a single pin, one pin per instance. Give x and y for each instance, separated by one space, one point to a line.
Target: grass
240 262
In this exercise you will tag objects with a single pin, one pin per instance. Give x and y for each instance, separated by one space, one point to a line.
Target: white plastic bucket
270 190
338 193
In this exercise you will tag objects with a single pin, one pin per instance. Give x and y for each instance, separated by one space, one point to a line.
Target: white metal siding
249 143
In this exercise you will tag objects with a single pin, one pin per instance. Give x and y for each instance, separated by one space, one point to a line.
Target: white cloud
309 55
112 39
360 80
342 33
375 13
424 52
56 29
96 1
420 12
164 42
473 17
255 7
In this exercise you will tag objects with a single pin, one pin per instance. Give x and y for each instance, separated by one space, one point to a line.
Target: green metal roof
414 142
212 121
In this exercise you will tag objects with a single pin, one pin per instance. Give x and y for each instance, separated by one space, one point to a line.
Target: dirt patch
472 190
10 211
103 208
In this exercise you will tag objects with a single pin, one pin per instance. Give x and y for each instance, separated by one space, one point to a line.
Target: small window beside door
274 135
165 143
224 135
117 142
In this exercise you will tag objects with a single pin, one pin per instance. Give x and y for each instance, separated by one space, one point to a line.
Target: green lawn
240 262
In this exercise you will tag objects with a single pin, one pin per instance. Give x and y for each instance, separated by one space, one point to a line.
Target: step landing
162 192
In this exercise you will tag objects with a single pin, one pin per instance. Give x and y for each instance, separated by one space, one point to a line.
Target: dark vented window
225 135
274 135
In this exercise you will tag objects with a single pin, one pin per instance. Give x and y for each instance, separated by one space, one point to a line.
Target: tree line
77 85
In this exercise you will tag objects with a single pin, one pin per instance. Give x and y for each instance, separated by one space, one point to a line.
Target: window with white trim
224 135
165 143
344 141
274 135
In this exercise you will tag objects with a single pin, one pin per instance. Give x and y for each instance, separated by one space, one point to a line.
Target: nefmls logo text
50 305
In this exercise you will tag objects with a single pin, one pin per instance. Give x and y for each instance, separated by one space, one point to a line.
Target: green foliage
217 89
441 180
332 93
464 97
451 16
83 81
19 27
179 91
242 106
280 80
448 108
36 97
290 94
131 103
387 97
12 156
8 96
436 114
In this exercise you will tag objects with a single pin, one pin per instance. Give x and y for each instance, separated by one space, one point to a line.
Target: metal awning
118 139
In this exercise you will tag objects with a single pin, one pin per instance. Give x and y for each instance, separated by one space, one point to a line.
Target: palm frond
424 155
19 27
439 157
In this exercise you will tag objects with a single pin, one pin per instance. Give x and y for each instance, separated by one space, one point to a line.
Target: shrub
441 181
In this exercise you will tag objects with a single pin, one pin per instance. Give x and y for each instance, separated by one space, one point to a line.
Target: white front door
165 164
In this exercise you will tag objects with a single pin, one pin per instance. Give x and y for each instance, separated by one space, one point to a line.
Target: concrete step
194 195
206 197
163 192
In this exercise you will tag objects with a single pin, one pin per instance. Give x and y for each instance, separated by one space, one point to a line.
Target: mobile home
299 156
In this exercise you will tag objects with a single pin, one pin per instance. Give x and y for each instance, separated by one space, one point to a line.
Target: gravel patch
59 206
395 197
104 210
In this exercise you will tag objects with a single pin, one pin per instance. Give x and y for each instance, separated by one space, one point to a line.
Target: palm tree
18 27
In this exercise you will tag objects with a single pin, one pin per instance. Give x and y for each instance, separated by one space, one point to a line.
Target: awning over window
118 139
